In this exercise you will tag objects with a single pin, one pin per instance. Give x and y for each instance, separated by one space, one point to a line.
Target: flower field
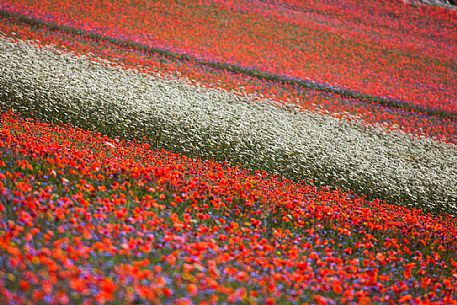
227 152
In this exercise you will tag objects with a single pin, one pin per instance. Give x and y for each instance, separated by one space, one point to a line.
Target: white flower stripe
218 124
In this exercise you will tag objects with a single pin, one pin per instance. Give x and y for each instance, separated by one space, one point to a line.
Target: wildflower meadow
228 152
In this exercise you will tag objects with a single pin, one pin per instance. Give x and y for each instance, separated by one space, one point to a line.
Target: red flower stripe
121 222
399 61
